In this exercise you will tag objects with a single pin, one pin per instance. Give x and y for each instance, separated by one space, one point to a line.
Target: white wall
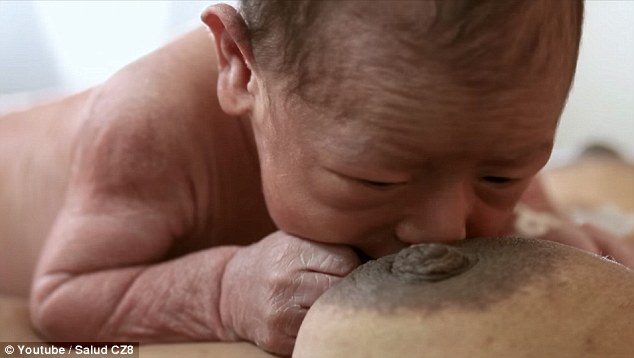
75 44
84 42
601 104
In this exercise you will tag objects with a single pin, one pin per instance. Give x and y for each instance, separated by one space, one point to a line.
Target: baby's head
382 124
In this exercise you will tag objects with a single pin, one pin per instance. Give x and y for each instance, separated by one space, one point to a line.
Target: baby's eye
497 180
373 183
378 184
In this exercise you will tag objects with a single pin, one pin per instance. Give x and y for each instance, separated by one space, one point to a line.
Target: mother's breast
502 297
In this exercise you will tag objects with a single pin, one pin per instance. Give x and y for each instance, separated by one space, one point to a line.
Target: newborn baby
479 298
215 188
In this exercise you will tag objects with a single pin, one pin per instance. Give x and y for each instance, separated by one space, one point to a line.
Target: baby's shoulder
161 106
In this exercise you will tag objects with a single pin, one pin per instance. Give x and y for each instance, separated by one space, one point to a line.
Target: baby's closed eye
375 184
497 179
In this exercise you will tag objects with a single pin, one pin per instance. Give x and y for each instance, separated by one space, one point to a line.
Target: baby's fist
269 286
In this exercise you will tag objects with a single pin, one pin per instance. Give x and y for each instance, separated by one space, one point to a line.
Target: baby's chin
504 297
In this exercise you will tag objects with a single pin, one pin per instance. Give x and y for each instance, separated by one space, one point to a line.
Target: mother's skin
481 298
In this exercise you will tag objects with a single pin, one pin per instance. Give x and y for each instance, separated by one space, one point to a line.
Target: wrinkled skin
292 274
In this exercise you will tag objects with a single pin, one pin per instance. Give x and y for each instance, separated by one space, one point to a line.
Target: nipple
431 262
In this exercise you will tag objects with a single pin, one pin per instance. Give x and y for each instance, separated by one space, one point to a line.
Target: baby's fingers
278 331
295 319
310 286
280 344
334 260
279 335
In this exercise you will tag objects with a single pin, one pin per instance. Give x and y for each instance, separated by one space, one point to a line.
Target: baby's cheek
314 221
297 216
287 217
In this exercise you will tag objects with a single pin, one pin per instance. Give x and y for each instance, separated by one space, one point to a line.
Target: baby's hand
268 287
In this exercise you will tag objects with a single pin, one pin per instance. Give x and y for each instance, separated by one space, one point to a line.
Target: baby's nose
412 232
439 222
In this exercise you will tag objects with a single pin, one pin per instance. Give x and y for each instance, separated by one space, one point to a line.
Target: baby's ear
234 57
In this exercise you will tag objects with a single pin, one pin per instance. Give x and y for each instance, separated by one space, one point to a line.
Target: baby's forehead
408 47
392 96
405 133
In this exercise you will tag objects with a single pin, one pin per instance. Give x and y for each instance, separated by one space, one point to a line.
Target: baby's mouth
362 255
377 247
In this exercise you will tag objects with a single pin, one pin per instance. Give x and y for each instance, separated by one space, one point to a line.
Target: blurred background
49 48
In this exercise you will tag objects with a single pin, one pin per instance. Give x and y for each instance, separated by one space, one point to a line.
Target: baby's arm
103 274
110 289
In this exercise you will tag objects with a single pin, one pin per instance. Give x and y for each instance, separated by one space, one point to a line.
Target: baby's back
35 155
